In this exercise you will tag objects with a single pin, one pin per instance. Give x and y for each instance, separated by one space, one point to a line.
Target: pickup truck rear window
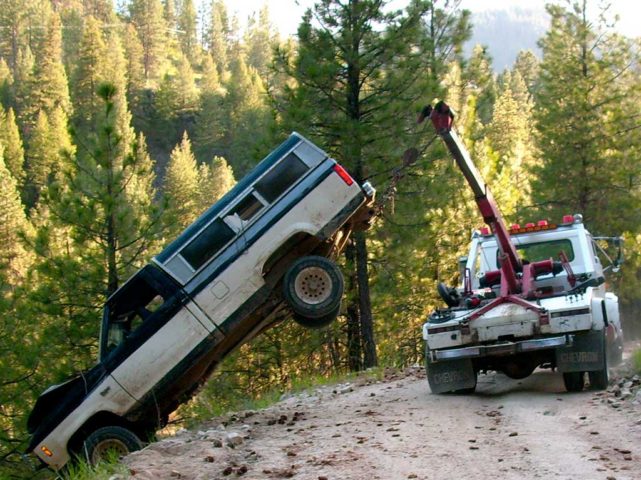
281 177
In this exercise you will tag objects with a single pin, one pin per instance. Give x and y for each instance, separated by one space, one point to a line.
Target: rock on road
395 429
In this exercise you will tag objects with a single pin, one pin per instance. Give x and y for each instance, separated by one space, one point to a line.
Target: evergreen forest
120 124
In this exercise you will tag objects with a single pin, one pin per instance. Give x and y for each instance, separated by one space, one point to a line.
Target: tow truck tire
313 287
108 441
599 379
574 381
467 391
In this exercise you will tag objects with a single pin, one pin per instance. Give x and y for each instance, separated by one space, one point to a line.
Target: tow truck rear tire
313 287
574 381
112 440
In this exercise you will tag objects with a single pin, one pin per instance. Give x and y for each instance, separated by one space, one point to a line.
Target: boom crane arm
442 117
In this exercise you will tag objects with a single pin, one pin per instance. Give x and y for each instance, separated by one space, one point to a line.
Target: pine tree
527 65
218 37
14 258
181 187
354 93
480 78
95 199
147 16
135 72
177 99
102 10
12 143
212 122
50 88
187 24
169 13
23 81
246 115
215 179
14 16
511 144
89 73
39 164
259 41
6 84
585 119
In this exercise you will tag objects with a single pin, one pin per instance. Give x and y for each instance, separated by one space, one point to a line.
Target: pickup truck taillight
344 175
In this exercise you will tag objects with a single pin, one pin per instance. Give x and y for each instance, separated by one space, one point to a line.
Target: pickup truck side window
207 244
281 177
134 303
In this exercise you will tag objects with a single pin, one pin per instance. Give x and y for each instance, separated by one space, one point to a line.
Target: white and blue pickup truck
261 253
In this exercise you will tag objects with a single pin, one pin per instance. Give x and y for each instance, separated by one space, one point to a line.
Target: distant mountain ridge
506 32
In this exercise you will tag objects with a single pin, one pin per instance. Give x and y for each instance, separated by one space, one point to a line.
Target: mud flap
586 354
450 375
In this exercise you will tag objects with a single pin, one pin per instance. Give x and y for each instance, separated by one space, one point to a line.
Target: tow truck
531 296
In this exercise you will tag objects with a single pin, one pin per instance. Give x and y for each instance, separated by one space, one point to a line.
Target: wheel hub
313 285
107 448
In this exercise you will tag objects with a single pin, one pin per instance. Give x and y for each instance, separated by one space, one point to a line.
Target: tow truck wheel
574 381
107 442
313 287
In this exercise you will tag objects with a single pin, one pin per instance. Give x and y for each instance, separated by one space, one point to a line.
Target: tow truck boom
515 279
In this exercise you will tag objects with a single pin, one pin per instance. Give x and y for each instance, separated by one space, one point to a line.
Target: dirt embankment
396 429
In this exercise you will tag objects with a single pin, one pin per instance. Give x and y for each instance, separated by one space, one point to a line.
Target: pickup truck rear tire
108 441
313 287
574 381
319 322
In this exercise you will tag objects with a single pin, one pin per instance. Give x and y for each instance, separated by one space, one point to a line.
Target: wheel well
100 419
301 243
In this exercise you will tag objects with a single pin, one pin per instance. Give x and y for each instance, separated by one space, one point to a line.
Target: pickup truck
263 252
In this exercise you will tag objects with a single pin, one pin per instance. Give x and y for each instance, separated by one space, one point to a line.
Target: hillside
506 32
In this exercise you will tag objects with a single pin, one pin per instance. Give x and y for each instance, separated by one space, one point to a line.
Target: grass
82 470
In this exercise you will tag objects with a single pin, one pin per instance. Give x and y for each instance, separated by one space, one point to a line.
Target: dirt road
396 429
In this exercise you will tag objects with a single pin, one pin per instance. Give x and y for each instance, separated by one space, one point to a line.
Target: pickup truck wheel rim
313 285
108 447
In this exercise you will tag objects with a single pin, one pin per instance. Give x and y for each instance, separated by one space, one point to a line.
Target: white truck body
510 329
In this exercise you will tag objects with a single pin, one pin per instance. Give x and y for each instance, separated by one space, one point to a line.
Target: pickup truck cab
261 253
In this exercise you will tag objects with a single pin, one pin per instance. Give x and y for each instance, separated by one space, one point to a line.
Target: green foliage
585 101
12 143
105 470
147 15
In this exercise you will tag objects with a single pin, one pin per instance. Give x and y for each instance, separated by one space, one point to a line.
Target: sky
286 14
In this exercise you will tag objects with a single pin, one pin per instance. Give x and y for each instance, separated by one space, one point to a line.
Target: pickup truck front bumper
502 349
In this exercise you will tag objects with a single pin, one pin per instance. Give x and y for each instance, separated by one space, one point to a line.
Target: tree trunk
364 302
354 344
